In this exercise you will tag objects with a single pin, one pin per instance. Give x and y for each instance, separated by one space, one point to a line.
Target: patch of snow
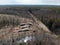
26 39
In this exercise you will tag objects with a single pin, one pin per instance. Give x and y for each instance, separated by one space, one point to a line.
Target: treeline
53 23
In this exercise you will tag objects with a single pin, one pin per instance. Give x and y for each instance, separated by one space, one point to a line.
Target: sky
29 2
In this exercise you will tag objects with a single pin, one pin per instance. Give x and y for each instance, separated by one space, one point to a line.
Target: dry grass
6 20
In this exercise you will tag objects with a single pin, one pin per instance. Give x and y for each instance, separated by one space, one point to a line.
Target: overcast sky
30 2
